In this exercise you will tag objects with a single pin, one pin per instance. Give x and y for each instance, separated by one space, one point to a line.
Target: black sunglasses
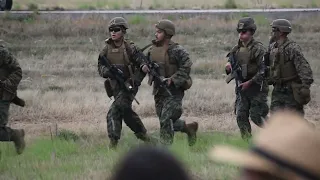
114 29
242 30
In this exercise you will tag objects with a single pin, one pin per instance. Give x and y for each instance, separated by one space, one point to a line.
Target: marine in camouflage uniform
175 66
127 57
251 95
291 74
10 76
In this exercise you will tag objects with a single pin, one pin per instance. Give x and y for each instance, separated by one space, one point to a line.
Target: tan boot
18 140
191 130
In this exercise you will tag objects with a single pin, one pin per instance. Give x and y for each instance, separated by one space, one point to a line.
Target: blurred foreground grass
87 157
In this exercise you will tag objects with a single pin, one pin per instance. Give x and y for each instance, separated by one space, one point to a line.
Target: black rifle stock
119 77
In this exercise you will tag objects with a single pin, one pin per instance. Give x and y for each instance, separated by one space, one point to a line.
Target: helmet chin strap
275 36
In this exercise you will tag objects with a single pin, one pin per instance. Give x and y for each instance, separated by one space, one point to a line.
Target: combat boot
18 140
113 144
191 130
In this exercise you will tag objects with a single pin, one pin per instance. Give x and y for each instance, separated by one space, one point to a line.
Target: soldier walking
126 57
10 77
252 93
291 74
174 65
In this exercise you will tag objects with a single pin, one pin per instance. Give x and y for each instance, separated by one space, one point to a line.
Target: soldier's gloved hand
145 69
228 68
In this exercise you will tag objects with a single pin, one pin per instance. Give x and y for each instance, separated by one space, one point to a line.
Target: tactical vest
168 66
246 60
118 56
282 68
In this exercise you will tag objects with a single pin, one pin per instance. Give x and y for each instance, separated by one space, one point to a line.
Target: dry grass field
160 4
62 89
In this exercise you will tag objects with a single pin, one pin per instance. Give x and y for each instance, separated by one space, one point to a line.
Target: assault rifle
154 76
16 100
236 74
118 76
236 71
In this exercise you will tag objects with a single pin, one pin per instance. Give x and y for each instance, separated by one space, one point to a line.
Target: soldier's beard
160 42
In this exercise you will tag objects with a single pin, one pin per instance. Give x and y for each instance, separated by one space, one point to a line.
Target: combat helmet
246 23
167 26
118 21
282 24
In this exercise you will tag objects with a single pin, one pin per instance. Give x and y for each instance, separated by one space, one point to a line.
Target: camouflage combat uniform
127 58
291 74
10 76
174 63
252 101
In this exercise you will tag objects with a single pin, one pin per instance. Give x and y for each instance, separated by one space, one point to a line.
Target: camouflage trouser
120 109
169 110
253 105
5 131
282 98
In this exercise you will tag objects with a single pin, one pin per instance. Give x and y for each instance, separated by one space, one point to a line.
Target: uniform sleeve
102 69
139 59
259 57
302 66
184 66
15 76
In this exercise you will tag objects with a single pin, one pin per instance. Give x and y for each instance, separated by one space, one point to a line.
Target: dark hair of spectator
149 163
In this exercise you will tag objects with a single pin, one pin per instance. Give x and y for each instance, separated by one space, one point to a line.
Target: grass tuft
67 135
230 4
